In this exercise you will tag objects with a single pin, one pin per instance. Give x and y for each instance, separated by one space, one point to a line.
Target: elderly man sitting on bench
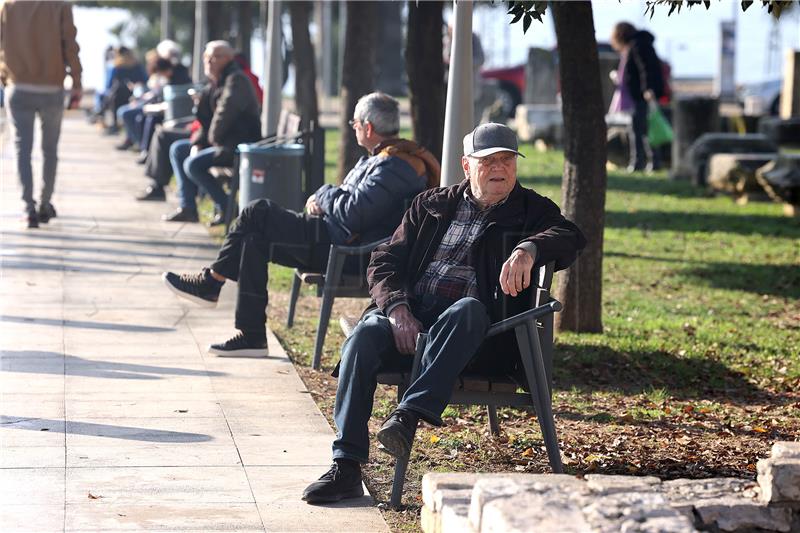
461 259
365 208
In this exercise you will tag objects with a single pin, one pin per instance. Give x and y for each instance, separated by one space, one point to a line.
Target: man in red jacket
461 259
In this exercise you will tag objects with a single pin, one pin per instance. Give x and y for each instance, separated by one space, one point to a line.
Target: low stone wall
516 503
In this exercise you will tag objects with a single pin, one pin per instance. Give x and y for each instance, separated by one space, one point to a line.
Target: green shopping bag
659 131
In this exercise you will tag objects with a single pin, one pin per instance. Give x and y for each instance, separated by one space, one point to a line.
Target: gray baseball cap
490 138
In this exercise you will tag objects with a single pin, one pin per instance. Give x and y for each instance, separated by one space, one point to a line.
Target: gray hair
380 110
168 50
222 45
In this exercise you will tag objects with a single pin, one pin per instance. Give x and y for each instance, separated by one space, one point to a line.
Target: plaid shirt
451 274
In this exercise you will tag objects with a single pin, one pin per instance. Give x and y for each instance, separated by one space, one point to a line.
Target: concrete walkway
112 416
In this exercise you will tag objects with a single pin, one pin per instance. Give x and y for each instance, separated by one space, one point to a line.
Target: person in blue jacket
366 207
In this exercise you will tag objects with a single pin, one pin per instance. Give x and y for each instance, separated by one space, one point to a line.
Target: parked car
764 95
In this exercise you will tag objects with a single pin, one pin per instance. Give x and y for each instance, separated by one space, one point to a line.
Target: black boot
342 481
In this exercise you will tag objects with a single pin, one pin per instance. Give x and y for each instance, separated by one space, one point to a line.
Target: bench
534 333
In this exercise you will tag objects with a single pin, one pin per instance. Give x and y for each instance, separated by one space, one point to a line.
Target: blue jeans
192 173
22 107
455 332
131 115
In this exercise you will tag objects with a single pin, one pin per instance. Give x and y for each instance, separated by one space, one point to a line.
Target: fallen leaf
592 458
759 429
93 497
528 452
434 439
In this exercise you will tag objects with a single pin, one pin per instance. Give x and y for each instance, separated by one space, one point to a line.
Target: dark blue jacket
370 203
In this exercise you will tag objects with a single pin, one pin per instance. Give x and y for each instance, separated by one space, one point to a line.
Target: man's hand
405 329
515 275
312 207
193 150
649 95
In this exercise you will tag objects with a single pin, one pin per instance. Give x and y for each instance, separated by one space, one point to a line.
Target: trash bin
179 102
272 171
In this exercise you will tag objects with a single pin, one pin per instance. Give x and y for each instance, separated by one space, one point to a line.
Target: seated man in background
228 113
365 208
462 258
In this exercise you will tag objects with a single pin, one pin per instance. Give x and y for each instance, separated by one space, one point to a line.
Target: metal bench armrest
552 306
362 249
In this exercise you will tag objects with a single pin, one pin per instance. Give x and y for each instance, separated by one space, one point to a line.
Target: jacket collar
229 68
445 201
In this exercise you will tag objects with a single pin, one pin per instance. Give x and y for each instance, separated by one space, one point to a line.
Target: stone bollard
779 476
692 116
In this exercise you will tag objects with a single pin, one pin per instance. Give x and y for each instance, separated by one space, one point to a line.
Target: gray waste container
179 102
272 171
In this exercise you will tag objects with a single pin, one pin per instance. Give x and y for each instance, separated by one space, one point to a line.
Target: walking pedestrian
33 65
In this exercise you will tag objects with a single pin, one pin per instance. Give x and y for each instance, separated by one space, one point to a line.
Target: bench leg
494 424
400 467
322 327
531 351
293 295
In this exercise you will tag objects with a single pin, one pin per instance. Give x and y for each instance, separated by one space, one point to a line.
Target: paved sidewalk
112 416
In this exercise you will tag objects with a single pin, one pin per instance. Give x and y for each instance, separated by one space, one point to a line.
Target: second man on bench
366 207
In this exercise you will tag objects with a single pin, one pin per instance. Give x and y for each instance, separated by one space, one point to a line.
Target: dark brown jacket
229 114
526 216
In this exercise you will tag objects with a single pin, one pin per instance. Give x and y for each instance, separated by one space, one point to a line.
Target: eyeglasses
352 123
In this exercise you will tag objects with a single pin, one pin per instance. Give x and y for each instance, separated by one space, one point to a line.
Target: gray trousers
23 106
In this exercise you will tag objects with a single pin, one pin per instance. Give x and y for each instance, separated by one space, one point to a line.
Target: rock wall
517 503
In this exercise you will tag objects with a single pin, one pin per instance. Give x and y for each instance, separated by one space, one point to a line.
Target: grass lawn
696 373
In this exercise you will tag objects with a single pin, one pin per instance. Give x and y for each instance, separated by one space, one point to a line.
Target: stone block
629 510
605 484
435 481
455 519
658 524
540 122
430 522
446 497
779 479
493 488
683 493
785 449
529 513
738 514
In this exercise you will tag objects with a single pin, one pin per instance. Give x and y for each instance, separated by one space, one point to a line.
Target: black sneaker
152 194
46 212
127 143
397 432
342 481
200 288
241 345
32 219
181 215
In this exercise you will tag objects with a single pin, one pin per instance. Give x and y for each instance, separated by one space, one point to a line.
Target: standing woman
639 81
33 64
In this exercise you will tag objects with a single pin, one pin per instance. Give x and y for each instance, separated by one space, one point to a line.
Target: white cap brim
489 151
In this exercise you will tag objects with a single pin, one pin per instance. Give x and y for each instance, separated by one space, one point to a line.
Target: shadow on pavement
85 324
101 430
78 366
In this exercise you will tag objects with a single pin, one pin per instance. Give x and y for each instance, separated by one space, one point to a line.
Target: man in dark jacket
461 259
365 208
228 112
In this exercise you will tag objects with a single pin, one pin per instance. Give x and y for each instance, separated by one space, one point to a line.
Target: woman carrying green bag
659 131
639 79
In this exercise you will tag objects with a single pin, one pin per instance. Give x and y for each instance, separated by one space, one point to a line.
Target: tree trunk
425 68
305 80
584 183
358 76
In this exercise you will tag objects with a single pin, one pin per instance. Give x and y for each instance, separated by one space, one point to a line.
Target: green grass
701 314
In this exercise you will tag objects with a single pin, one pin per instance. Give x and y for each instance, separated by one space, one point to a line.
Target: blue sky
688 40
